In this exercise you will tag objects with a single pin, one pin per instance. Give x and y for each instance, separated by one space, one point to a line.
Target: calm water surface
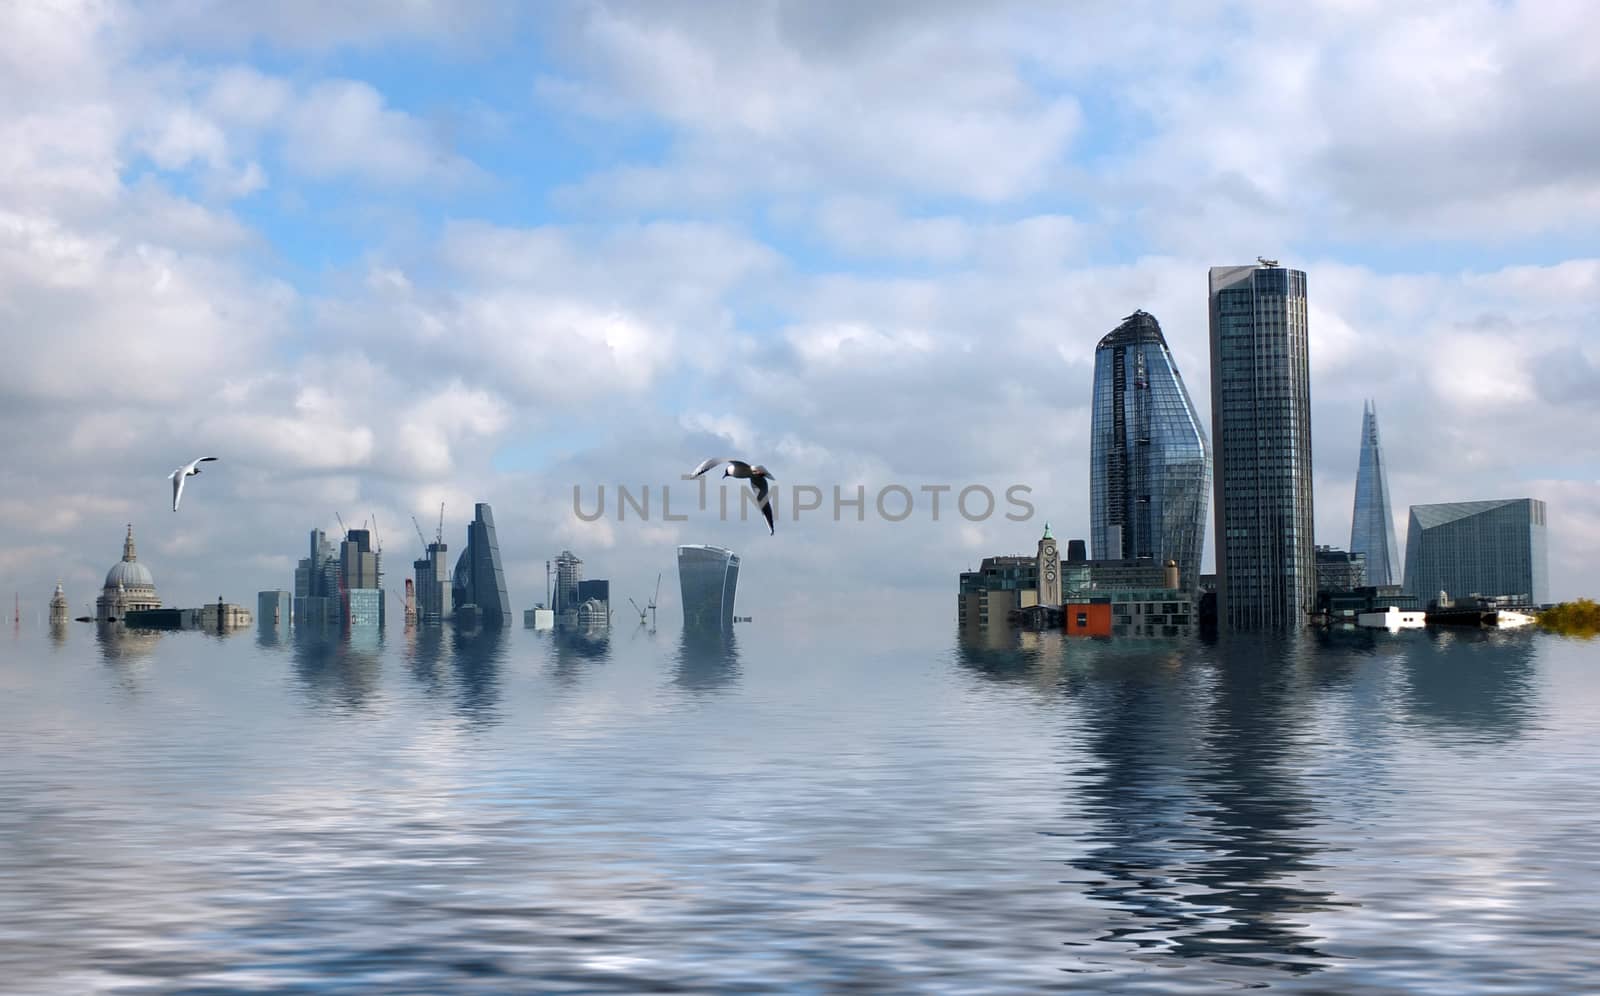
890 810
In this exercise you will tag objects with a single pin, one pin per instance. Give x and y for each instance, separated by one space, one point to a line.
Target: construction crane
421 537
441 522
651 605
642 612
342 528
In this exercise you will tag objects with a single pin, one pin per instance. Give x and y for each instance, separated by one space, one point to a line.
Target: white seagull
177 476
758 477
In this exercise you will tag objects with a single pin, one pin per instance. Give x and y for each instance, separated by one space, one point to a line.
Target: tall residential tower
1372 525
1261 431
1150 467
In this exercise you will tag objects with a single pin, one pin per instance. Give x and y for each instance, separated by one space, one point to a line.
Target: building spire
129 555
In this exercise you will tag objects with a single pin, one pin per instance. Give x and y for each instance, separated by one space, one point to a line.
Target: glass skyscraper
1488 548
1372 525
1261 431
708 577
479 579
1150 461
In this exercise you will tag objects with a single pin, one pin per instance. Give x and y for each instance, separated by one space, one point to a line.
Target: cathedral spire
128 553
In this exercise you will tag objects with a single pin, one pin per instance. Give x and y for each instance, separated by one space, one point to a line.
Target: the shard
1372 526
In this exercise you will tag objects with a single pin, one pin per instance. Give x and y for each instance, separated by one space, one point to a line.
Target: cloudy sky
381 255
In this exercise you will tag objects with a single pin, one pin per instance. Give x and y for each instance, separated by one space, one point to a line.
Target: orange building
1086 618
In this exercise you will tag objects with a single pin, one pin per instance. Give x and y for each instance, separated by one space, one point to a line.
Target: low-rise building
1339 570
275 608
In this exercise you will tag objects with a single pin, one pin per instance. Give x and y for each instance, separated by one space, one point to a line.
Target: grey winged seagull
757 475
177 476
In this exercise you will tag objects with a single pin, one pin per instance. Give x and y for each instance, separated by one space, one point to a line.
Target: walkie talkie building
709 578
1150 472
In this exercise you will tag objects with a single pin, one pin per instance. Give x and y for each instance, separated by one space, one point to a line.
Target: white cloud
344 128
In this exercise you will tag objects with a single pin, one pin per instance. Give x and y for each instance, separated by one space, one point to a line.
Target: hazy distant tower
58 606
1261 431
1372 525
1150 461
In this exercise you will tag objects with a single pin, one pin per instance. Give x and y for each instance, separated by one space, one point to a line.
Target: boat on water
1392 619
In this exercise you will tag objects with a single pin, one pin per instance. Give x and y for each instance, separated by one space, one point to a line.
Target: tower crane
421 537
637 609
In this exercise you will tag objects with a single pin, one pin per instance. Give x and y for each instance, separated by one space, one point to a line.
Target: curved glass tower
1150 471
709 578
1372 525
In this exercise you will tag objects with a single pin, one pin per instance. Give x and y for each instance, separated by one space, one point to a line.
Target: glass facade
479 579
708 577
366 608
1150 461
1338 570
1261 431
1488 548
1372 525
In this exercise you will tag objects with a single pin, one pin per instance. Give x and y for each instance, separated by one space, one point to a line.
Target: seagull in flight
757 475
177 476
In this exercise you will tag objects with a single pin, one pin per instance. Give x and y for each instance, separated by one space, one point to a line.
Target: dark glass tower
1372 525
1150 469
479 580
1261 428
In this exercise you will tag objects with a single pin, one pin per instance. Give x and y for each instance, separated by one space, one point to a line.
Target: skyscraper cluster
1152 467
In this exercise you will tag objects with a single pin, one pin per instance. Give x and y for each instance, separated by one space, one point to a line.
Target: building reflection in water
270 635
1261 858
1460 694
1198 827
707 660
574 651
1002 653
477 657
335 671
126 652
